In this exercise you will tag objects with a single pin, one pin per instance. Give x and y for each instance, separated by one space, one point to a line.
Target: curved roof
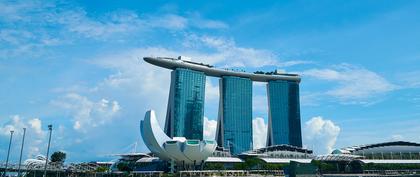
385 144
282 147
337 157
279 160
172 63
224 159
178 149
391 161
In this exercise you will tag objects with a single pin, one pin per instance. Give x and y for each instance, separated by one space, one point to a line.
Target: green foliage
123 166
268 166
214 166
250 163
325 167
253 163
372 166
102 169
355 167
58 156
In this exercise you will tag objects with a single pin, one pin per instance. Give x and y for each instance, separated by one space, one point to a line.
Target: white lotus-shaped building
177 149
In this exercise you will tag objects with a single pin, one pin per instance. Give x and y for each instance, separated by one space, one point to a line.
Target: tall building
284 113
185 111
234 130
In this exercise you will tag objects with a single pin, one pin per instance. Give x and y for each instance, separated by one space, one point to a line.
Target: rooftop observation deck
173 63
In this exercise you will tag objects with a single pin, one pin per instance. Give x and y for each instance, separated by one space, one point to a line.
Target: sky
77 65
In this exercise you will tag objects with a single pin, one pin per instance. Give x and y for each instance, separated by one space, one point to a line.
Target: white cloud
87 113
397 137
353 83
35 135
77 21
123 22
199 22
132 76
259 103
51 25
226 53
17 11
210 127
292 63
212 91
320 135
18 42
259 132
35 124
169 21
410 79
259 129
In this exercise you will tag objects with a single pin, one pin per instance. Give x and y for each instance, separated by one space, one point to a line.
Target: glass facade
284 113
186 104
234 130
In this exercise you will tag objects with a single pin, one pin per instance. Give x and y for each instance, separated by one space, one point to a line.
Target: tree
58 157
124 166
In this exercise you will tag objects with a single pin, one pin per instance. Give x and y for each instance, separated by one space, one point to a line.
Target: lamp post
48 150
8 152
21 151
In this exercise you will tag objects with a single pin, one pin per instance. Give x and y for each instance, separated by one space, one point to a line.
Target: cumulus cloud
210 127
259 132
123 21
87 113
260 103
224 52
35 135
77 21
198 21
320 135
410 79
212 90
397 137
51 25
353 83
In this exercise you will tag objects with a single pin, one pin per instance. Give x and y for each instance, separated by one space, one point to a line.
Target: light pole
21 151
48 150
8 152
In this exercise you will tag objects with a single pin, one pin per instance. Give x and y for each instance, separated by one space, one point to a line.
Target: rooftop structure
284 151
131 156
386 152
173 63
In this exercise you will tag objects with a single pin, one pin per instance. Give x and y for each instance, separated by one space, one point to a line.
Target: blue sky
77 65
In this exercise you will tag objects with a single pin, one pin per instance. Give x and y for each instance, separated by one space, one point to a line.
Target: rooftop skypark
209 70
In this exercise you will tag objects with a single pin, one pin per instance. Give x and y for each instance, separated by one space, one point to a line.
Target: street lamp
48 150
21 150
8 152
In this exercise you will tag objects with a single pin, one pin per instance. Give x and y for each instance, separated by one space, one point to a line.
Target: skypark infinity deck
172 63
